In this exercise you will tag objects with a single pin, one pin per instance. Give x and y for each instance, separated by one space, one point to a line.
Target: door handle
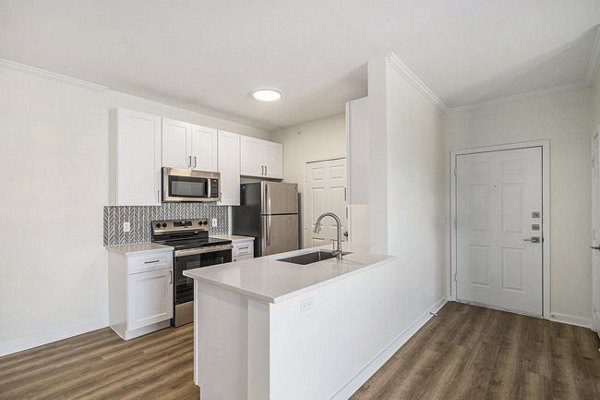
534 239
595 247
170 276
195 162
266 170
189 161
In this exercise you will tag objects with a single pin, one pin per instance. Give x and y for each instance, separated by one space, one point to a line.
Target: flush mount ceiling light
267 94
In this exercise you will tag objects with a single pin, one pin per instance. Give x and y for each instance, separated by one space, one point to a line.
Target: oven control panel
178 225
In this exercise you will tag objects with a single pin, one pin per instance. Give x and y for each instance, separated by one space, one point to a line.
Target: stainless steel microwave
186 185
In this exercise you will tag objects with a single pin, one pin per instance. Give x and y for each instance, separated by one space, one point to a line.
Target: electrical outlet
306 305
215 222
126 227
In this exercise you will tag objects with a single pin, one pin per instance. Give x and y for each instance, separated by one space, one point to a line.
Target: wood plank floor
469 352
465 353
100 365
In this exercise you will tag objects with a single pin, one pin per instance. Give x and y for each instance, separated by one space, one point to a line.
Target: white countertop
139 248
233 238
274 281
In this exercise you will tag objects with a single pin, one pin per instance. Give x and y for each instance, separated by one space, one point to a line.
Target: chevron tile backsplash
140 218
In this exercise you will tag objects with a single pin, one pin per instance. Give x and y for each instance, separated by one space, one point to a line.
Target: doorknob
595 247
534 239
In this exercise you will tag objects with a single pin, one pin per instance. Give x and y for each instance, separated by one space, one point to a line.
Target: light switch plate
126 227
215 222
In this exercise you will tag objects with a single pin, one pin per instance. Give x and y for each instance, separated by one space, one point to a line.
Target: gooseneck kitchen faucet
338 250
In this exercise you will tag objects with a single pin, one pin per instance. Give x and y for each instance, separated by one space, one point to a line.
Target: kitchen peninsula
271 329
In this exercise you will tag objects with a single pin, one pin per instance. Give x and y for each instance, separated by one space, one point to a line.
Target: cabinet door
176 144
273 160
135 159
204 148
229 167
252 156
149 298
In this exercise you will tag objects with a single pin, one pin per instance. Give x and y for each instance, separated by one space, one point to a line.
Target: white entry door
324 190
499 229
596 233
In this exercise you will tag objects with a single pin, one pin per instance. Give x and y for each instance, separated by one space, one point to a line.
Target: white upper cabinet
252 157
186 145
176 144
261 158
204 148
135 158
273 160
229 167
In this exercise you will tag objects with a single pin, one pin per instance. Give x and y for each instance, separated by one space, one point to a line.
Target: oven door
183 185
192 259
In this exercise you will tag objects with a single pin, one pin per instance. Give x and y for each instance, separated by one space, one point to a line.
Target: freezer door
280 233
279 198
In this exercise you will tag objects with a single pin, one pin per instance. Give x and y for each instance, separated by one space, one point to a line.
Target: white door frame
545 146
303 199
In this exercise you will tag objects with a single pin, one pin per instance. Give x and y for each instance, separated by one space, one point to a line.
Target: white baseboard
359 379
571 320
39 339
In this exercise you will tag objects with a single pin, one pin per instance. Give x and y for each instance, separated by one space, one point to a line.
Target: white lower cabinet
243 250
140 292
150 298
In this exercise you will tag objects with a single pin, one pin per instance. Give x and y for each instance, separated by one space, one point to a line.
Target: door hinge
455 172
455 277
345 190
346 212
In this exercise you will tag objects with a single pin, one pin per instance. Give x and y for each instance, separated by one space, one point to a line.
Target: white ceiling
208 55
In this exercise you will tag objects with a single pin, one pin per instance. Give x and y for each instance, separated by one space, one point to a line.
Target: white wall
595 102
406 180
54 163
415 188
320 139
563 119
357 117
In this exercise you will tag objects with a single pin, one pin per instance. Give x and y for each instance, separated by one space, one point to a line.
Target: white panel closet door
324 190
497 196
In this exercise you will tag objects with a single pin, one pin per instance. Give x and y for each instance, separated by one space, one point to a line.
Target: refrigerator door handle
267 232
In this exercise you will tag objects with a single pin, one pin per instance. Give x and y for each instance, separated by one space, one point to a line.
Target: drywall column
377 110
406 177
357 133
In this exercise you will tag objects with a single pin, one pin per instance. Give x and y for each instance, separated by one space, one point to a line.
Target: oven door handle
202 250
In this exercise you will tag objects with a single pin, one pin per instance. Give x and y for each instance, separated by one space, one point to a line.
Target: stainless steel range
193 249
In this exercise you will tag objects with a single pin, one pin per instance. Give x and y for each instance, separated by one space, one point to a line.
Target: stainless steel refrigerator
268 211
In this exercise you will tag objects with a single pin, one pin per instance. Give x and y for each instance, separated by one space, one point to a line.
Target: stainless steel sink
309 258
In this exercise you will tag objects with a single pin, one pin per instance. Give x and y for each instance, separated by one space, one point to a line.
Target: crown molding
594 62
51 75
401 68
569 87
